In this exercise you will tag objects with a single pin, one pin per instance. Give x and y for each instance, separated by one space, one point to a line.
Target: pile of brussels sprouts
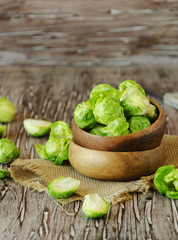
108 112
115 112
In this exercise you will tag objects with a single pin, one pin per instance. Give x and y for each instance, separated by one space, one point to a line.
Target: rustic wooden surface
89 33
52 93
138 39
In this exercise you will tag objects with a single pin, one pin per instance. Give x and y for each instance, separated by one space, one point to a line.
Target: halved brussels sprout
117 127
138 123
7 110
106 110
129 87
94 206
8 151
36 127
97 130
61 129
2 129
83 116
63 187
4 173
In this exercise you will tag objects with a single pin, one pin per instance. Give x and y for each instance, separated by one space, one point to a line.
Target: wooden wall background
89 33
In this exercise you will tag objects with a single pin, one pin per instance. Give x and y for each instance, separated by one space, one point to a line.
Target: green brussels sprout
106 110
2 129
129 87
100 88
104 90
57 149
41 150
97 130
61 129
166 181
94 206
63 187
4 173
8 151
36 127
138 104
83 116
126 132
7 110
116 127
137 123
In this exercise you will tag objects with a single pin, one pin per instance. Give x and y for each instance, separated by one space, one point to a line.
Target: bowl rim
160 115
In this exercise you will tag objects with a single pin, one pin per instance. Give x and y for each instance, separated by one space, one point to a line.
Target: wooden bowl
145 139
121 166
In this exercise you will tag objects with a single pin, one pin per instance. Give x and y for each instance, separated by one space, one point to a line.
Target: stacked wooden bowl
123 158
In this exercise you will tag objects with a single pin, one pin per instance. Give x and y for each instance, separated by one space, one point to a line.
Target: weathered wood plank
88 33
52 93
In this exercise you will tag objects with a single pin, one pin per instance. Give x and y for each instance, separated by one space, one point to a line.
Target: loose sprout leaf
4 173
41 151
137 123
63 187
83 116
94 206
106 110
36 127
7 110
2 129
8 151
61 129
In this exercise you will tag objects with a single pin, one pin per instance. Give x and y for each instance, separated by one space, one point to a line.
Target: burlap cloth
36 173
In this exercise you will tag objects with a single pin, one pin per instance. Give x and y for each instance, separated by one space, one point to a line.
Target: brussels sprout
41 150
61 129
106 110
116 127
63 187
166 181
4 173
8 151
36 127
83 116
97 130
138 104
126 132
2 129
94 206
100 88
137 123
57 149
104 90
129 87
7 110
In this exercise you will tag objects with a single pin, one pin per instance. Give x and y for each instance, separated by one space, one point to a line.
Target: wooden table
52 93
58 50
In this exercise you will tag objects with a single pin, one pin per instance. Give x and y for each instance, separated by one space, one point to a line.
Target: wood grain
107 165
89 33
52 93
